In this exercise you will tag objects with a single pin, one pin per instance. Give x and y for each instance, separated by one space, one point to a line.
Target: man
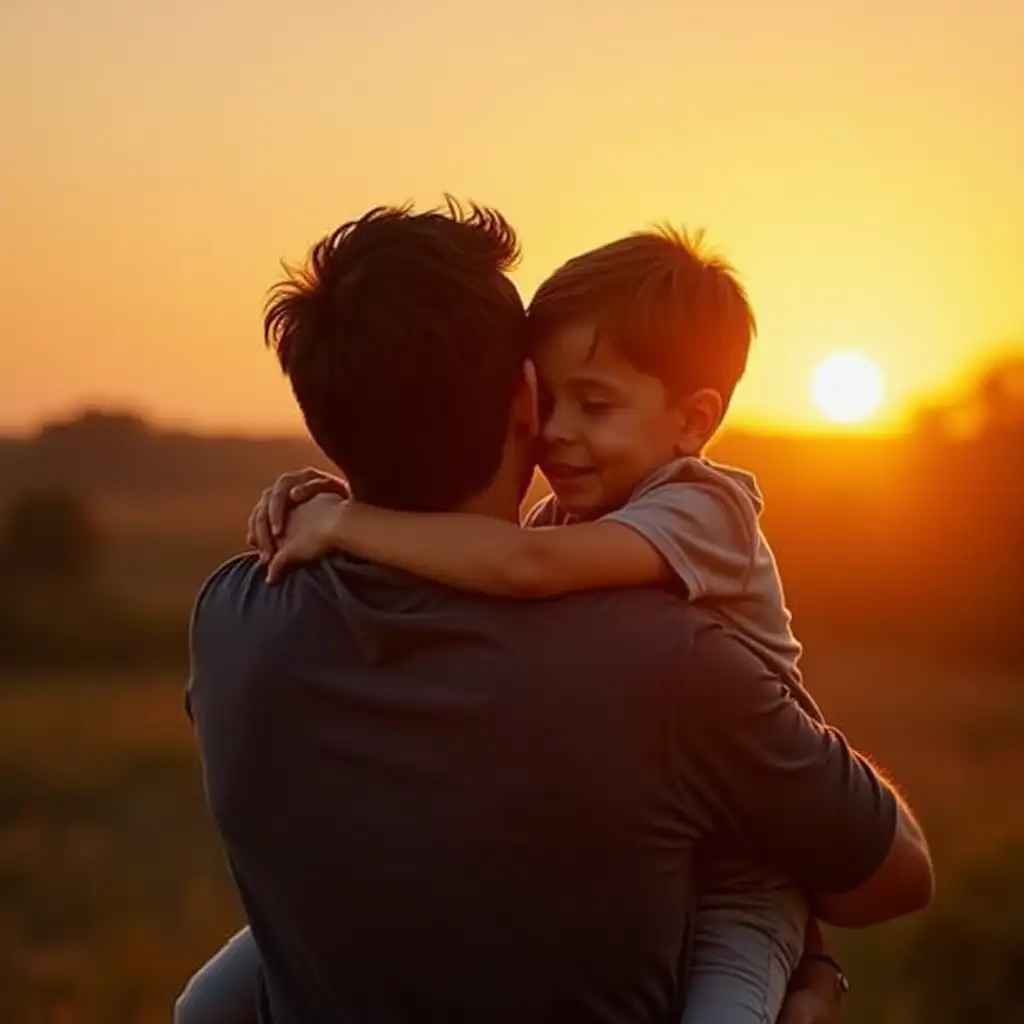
444 807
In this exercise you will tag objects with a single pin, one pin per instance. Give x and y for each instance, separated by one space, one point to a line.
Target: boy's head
639 345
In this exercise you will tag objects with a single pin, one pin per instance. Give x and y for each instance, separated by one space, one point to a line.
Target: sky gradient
862 165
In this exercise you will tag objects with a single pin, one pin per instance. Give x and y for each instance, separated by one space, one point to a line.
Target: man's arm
903 883
794 791
815 994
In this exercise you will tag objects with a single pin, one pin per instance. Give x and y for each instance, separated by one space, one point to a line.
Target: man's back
441 807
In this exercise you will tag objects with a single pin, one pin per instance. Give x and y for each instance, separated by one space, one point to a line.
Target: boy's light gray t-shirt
703 519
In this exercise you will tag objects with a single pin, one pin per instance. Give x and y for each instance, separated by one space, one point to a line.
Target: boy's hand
308 535
269 516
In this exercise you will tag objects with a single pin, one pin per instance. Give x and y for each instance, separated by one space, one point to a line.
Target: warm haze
859 163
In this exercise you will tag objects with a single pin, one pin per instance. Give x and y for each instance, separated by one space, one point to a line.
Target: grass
111 883
112 888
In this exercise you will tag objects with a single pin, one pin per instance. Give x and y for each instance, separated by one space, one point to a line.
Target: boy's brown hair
672 308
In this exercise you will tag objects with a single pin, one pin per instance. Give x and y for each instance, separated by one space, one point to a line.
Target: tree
51 536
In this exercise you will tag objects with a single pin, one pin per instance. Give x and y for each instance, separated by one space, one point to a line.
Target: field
112 887
111 884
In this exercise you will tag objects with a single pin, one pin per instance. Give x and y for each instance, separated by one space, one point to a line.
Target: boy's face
605 426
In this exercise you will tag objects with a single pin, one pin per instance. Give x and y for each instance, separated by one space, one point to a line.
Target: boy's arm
474 552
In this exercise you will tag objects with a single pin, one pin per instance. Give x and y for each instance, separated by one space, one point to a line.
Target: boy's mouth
562 474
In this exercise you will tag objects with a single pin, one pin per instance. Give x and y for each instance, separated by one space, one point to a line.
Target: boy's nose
557 429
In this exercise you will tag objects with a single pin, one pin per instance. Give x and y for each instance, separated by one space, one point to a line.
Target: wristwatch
842 982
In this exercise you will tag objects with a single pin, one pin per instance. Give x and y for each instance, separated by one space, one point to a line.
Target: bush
50 536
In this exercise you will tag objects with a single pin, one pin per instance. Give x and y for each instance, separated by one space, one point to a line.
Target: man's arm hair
793 790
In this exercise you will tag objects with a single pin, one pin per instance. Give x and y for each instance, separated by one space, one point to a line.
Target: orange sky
860 162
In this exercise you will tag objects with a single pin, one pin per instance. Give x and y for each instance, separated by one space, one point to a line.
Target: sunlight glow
847 387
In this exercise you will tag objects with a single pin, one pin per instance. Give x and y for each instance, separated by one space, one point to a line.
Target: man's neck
504 494
499 501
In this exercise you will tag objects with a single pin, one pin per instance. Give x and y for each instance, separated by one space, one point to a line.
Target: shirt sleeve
766 775
706 530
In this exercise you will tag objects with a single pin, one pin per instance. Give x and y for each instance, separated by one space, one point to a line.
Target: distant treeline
910 539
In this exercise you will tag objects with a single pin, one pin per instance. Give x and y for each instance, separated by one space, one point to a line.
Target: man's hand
269 517
815 994
309 535
809 1007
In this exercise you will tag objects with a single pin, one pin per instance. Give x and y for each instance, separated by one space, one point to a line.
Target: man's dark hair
403 341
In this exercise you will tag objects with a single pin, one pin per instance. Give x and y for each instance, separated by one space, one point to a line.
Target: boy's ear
700 414
526 407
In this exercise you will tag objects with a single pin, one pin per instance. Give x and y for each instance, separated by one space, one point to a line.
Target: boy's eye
595 406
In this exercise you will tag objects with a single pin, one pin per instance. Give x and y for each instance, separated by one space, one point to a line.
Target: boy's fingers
277 506
307 489
261 527
319 484
275 570
291 489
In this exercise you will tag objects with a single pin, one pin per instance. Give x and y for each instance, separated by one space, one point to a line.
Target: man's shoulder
235 577
659 626
651 635
239 620
237 595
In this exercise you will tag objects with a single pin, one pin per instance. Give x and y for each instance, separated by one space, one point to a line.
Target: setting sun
847 387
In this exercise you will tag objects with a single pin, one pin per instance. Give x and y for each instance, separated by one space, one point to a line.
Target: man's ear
526 406
700 414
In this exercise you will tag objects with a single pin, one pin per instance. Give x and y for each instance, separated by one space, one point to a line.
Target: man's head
639 345
404 343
